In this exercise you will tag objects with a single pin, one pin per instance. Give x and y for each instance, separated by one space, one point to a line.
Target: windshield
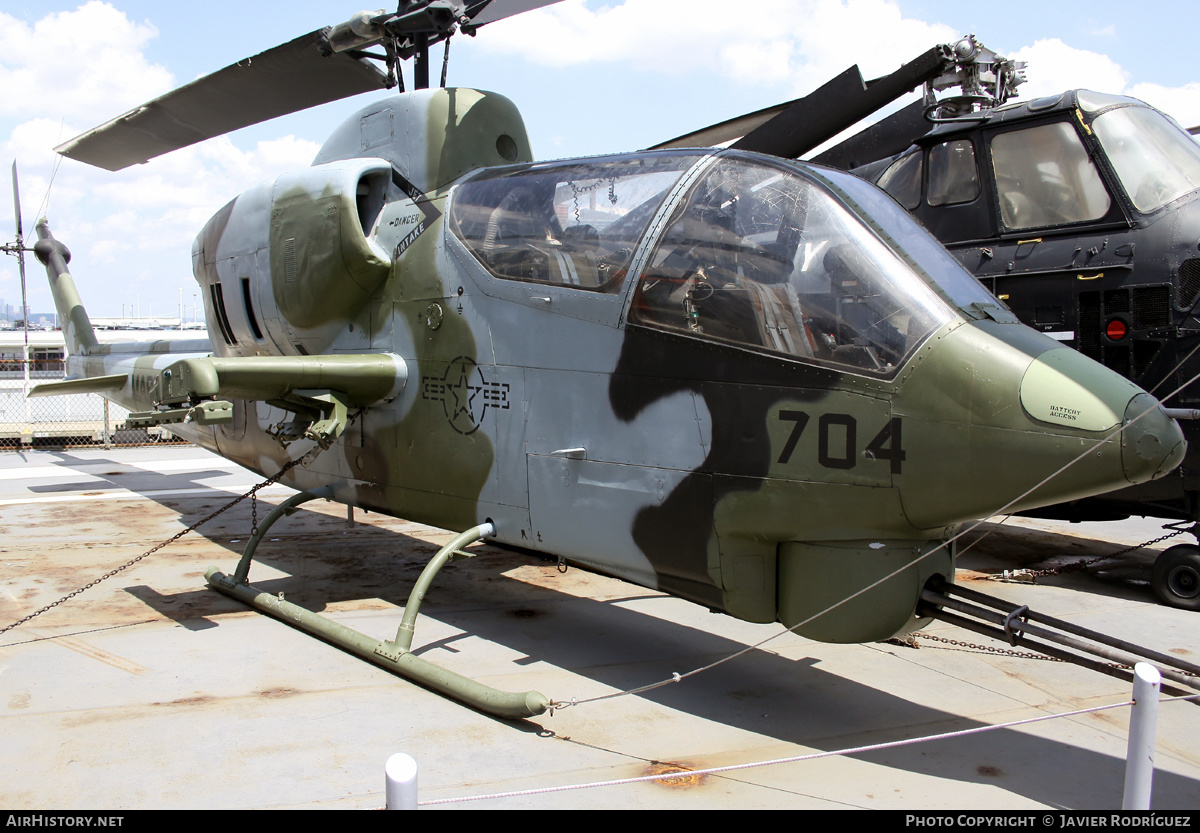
765 258
916 246
1155 160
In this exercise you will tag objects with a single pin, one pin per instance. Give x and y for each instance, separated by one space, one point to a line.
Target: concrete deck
151 691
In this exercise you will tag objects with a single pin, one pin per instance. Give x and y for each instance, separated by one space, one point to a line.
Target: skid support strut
393 656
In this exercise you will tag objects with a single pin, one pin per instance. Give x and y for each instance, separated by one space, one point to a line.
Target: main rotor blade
725 131
790 130
885 138
19 247
836 105
282 80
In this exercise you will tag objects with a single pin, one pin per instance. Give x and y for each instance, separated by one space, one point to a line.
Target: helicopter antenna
19 249
45 206
445 63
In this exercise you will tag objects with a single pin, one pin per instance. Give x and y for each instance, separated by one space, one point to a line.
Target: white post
27 429
1143 719
401 774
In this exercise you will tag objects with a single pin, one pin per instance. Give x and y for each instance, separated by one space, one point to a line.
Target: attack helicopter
1077 210
749 382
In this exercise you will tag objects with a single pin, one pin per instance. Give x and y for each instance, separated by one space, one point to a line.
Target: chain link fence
75 420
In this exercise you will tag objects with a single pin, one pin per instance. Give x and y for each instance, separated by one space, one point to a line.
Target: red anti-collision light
1116 329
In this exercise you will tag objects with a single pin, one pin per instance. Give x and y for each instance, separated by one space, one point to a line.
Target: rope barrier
857 750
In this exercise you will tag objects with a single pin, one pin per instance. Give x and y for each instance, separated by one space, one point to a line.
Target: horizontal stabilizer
94 384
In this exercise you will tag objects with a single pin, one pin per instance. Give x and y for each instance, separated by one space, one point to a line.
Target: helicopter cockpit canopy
762 257
1155 160
570 224
733 248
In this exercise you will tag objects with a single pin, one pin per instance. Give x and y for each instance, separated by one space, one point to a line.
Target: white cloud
874 34
131 231
799 44
136 225
1181 103
1054 67
86 62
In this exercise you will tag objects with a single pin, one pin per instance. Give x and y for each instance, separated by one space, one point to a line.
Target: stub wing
94 384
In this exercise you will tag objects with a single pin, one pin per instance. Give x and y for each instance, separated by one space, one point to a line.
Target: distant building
83 417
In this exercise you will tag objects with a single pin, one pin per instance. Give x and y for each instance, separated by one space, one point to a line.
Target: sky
590 77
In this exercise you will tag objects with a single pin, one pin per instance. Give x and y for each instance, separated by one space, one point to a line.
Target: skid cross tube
392 656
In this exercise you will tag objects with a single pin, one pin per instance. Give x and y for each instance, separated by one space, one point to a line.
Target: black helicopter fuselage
1081 213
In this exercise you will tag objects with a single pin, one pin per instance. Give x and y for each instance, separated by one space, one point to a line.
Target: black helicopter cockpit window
1044 177
763 258
1154 158
574 224
953 174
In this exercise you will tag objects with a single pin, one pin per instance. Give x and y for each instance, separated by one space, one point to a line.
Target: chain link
302 460
988 649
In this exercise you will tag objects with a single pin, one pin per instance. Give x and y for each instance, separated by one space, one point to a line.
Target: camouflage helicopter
1078 210
752 383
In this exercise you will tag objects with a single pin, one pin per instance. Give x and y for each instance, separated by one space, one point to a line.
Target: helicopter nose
1152 443
1062 387
1077 429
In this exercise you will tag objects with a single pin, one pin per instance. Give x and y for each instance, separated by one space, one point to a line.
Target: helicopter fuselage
748 382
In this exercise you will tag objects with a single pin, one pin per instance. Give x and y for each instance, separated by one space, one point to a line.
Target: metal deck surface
151 691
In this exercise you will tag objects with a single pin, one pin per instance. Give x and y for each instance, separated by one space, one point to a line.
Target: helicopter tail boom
77 327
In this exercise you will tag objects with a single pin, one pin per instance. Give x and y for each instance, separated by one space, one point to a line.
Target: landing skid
394 656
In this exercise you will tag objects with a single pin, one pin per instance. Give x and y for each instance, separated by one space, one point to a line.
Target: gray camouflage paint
651 455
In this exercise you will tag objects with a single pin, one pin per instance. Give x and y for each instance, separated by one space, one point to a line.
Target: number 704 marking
838 449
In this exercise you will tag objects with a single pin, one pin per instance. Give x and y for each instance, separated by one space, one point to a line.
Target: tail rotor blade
18 248
17 204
